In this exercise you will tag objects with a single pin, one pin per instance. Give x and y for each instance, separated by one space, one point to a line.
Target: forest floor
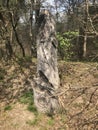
78 97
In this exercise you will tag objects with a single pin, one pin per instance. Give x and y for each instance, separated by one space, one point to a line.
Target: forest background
77 35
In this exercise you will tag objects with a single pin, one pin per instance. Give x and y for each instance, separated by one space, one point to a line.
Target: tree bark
47 81
85 46
14 25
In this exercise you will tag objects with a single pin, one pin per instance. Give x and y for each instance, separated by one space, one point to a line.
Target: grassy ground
78 97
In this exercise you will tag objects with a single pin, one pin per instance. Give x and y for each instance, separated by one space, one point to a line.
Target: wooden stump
47 81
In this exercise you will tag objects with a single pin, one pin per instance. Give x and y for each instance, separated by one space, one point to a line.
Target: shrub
66 45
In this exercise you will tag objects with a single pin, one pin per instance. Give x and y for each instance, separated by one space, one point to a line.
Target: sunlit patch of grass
8 107
32 122
77 105
51 122
63 118
16 125
43 128
34 60
37 119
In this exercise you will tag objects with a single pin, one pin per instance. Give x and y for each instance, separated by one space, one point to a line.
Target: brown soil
78 97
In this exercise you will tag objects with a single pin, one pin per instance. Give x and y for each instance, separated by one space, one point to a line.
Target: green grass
51 122
32 108
63 118
32 122
27 98
7 108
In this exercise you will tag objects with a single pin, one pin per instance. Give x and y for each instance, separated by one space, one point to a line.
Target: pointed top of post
45 11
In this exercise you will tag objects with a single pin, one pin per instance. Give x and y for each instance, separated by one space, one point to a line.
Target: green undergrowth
27 98
7 108
51 122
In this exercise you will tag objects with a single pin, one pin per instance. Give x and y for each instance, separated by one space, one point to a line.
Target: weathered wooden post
47 81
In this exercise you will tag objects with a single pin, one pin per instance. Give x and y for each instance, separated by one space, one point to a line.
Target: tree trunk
85 46
14 25
47 81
